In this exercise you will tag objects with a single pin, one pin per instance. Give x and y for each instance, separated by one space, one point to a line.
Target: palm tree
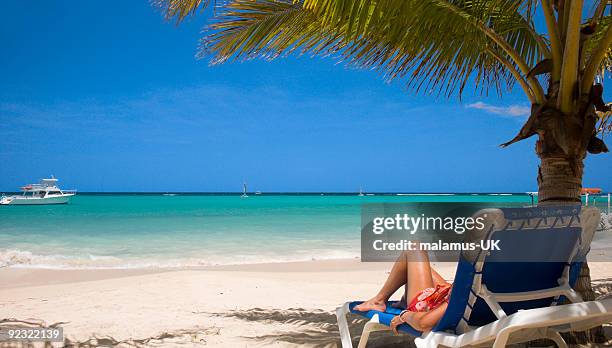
442 46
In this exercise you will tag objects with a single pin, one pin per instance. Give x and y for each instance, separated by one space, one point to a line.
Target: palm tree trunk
559 179
560 182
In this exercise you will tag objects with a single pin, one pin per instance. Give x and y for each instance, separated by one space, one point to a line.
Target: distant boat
45 192
168 194
244 190
258 192
360 191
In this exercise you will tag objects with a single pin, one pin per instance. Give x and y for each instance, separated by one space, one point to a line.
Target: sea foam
26 259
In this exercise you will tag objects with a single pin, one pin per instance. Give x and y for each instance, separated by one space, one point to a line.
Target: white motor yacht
45 192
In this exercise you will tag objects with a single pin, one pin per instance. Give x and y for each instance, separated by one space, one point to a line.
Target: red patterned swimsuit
430 298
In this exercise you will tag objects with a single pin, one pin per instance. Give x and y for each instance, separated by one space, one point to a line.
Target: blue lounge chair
494 302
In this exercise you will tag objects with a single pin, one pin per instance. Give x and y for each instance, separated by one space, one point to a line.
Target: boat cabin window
54 192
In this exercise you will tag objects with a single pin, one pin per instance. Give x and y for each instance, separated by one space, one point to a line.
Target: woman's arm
422 321
425 321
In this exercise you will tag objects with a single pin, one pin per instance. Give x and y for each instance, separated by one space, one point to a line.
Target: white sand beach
283 304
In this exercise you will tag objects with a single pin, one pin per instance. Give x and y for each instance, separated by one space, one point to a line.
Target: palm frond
434 44
507 24
247 29
178 10
596 39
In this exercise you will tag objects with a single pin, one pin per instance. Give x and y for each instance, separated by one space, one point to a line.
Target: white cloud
510 110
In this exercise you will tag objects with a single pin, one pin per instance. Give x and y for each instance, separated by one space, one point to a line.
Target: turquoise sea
185 230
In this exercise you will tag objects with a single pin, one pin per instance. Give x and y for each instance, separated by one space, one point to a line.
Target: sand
285 304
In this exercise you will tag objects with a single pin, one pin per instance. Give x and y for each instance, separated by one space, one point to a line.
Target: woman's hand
398 320
395 322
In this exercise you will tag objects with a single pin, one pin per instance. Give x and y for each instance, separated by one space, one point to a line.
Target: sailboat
244 191
361 191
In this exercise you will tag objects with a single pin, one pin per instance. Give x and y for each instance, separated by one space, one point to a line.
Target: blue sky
109 97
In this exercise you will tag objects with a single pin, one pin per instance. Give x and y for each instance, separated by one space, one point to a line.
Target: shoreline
17 277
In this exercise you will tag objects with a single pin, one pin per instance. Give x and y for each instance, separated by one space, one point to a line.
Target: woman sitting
427 290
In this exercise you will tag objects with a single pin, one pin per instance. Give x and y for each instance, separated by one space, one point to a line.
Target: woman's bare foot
374 304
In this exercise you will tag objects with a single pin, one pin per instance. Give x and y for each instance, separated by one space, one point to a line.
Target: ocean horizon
177 229
340 193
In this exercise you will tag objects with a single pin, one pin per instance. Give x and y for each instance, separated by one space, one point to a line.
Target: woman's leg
412 270
395 280
437 278
419 274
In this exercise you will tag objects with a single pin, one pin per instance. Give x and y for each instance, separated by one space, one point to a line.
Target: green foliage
248 29
178 10
436 45
595 40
